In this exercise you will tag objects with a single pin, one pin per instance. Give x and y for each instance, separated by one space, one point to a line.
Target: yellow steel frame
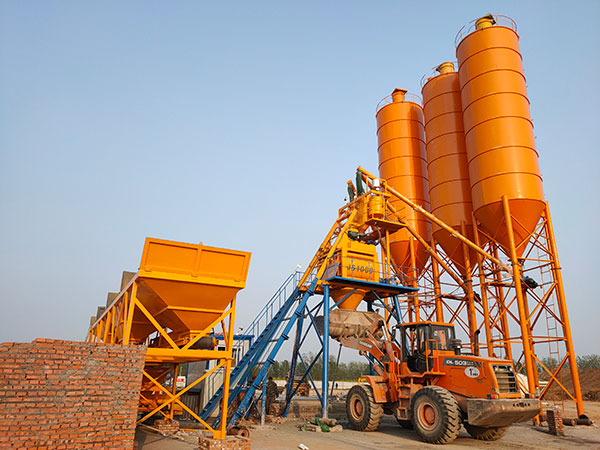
524 306
115 325
501 302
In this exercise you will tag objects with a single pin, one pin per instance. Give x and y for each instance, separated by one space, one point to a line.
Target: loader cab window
418 339
421 339
409 341
442 336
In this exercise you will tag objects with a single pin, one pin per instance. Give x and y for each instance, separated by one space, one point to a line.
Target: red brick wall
69 395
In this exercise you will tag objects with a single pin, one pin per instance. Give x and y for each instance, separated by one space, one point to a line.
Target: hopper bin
186 287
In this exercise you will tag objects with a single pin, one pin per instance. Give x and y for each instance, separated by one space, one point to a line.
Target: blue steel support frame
325 378
301 311
289 390
252 357
271 358
263 403
302 333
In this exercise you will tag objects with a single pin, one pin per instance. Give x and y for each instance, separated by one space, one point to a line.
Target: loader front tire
362 411
486 434
435 415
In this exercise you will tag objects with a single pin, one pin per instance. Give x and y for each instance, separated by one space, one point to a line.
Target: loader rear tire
486 434
435 415
362 411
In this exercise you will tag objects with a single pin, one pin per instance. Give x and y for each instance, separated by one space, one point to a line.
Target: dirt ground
588 378
392 436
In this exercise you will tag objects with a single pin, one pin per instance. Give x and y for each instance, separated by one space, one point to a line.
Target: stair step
257 349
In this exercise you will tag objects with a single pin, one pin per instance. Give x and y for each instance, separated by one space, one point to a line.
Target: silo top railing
434 73
408 97
502 21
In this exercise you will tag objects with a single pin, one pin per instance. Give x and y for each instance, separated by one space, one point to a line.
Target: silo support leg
562 305
523 315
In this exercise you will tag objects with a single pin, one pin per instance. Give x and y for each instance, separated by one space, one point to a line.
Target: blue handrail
263 327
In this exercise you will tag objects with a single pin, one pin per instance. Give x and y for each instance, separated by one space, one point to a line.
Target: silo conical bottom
454 249
400 251
525 213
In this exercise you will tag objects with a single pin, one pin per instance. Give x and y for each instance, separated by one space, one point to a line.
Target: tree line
583 362
352 370
342 371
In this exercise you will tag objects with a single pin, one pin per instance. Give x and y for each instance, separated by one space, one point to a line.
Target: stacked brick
230 443
69 395
555 422
166 426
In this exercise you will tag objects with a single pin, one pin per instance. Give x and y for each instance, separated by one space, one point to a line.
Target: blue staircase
266 363
266 325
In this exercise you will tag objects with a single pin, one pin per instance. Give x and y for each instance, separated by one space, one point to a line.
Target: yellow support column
523 314
222 432
562 305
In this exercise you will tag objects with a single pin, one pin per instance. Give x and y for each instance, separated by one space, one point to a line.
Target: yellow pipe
335 244
313 262
432 252
443 225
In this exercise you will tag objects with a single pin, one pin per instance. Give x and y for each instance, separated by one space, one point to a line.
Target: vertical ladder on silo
552 331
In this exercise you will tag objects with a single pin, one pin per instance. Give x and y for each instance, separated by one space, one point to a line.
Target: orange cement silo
403 164
449 186
499 131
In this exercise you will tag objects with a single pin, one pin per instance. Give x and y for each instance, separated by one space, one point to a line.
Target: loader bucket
501 412
345 323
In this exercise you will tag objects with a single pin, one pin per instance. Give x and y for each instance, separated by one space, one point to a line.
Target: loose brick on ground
230 443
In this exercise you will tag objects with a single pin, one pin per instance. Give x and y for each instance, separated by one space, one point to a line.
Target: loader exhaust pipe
476 342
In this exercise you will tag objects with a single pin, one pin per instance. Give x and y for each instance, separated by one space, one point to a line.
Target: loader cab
421 341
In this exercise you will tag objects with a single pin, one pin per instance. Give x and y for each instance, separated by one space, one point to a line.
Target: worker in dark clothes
272 394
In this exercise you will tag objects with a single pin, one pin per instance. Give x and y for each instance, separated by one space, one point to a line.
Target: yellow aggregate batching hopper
181 296
186 287
180 292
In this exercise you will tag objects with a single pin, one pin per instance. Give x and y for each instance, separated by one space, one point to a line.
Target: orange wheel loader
425 381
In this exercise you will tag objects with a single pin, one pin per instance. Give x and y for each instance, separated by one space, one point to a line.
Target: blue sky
237 124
